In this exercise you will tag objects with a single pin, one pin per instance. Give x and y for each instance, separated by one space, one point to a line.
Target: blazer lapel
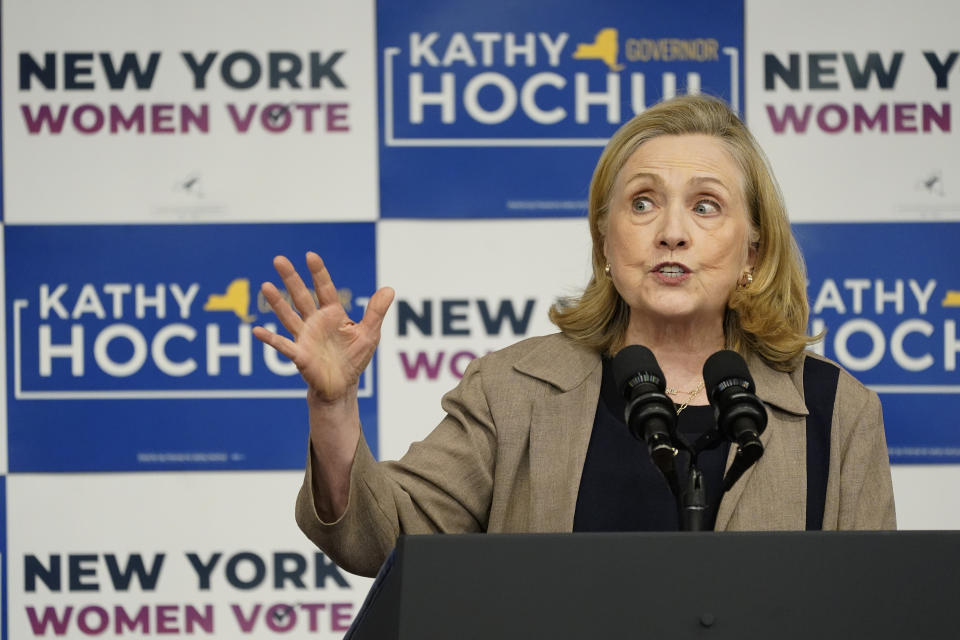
731 498
777 390
559 437
560 429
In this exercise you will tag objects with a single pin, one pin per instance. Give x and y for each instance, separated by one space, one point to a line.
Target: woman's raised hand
329 349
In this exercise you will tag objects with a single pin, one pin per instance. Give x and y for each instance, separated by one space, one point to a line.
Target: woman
692 253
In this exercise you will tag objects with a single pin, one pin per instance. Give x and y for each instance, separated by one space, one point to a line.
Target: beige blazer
507 458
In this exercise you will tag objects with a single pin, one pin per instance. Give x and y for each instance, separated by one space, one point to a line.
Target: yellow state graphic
236 299
952 299
604 47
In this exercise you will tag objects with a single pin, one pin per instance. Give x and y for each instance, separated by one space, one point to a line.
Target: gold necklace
692 394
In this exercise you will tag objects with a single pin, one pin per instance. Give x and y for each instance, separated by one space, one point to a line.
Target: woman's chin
683 311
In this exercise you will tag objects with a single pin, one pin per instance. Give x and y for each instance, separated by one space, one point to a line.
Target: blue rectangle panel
131 348
502 110
888 296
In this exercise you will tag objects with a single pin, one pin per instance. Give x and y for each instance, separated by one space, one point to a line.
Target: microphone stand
692 504
694 511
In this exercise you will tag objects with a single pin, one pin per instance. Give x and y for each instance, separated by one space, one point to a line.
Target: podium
842 585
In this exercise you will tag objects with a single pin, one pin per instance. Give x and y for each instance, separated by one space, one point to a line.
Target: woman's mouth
671 272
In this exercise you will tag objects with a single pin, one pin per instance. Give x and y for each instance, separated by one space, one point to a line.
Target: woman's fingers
328 348
322 282
284 345
298 291
287 316
377 308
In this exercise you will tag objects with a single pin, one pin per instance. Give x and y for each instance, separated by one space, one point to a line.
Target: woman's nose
672 233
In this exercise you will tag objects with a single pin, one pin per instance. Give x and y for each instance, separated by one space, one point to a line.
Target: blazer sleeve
866 489
443 484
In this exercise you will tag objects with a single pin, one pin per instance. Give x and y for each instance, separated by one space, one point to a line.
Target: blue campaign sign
501 110
132 348
888 296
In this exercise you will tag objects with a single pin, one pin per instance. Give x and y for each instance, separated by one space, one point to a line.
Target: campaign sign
502 110
471 287
174 555
132 348
3 367
849 100
888 296
218 111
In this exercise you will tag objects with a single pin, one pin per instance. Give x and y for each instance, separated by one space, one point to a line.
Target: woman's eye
706 207
642 204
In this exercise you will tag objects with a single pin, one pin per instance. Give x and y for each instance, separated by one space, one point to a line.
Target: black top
621 489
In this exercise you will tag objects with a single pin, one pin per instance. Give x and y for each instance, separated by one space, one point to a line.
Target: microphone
741 416
649 413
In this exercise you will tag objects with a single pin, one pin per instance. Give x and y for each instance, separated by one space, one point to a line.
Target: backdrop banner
156 156
221 111
495 111
893 324
170 555
143 358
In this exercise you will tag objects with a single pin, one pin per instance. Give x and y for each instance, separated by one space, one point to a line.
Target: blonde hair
769 316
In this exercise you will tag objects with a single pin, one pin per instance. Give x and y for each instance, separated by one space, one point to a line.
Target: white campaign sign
174 554
857 107
464 288
189 112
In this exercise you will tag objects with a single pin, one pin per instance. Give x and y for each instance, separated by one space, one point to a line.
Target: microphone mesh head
724 365
632 360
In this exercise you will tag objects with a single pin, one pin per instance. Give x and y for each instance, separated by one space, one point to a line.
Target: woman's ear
753 249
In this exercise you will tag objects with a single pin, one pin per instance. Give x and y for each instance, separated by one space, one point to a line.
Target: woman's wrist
334 435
